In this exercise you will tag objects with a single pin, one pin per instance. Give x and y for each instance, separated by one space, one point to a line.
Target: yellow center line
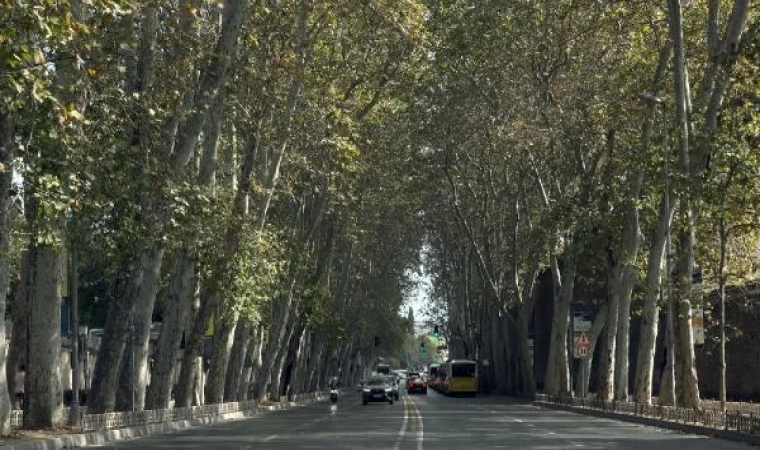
417 424
404 424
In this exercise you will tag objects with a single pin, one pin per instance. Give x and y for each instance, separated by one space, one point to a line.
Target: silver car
377 389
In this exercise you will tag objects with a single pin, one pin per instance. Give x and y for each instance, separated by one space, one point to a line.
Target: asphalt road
426 422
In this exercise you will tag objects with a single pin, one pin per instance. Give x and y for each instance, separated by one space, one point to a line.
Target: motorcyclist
334 389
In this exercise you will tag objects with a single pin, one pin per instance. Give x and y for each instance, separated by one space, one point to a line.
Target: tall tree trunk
134 374
173 324
687 387
686 383
607 372
629 249
557 376
217 370
315 362
43 389
125 391
497 352
524 315
299 367
346 362
275 375
722 290
18 344
668 379
651 313
290 361
188 368
252 363
116 332
237 360
628 278
275 339
6 224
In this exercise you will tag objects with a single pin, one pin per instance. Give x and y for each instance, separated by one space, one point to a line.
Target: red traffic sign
582 347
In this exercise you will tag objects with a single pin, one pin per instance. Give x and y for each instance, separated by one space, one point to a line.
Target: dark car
377 389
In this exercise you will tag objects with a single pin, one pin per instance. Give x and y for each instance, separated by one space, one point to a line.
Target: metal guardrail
741 407
107 421
731 420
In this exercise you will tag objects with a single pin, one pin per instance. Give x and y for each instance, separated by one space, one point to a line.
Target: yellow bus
461 377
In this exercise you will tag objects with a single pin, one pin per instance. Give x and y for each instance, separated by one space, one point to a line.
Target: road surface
426 422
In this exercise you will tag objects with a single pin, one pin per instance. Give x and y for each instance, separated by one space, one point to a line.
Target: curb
674 426
129 433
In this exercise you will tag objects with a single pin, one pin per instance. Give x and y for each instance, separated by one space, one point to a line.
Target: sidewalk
76 440
689 428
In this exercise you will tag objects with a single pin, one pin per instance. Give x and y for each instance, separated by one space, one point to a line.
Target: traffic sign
582 346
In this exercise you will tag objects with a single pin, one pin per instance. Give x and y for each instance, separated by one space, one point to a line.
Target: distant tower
410 319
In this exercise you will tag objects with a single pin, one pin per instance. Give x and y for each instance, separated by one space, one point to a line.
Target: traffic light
377 341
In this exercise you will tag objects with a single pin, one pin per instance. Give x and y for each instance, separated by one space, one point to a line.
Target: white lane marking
402 431
421 428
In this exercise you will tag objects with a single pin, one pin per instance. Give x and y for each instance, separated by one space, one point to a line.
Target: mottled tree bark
557 380
178 308
6 216
686 372
237 360
43 379
18 346
650 314
252 363
216 376
134 373
607 372
524 315
276 336
102 395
